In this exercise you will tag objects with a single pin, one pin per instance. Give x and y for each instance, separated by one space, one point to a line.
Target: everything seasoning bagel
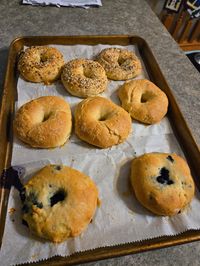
84 78
41 64
119 64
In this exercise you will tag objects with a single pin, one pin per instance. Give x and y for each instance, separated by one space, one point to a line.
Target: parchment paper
120 218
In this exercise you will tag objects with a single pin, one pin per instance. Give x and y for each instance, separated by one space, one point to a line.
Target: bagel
58 202
143 100
44 122
162 182
119 64
40 64
101 123
84 78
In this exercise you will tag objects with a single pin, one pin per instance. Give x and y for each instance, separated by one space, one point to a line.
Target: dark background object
191 56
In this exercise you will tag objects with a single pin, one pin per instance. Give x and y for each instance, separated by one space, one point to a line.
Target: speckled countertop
133 17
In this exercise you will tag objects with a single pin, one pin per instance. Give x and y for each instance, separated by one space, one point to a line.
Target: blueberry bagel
162 182
58 202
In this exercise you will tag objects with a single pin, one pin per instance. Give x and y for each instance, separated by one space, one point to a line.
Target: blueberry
32 197
25 208
24 222
170 158
58 167
164 173
22 194
39 205
160 179
170 182
29 200
163 178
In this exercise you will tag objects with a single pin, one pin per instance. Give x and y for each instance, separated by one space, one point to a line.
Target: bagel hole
144 98
44 57
121 61
87 73
103 118
147 96
46 117
58 196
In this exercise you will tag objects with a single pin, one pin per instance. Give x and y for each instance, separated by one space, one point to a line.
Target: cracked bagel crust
101 122
59 202
143 100
162 182
45 122
41 64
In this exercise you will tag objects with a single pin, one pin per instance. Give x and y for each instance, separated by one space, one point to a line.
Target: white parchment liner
120 218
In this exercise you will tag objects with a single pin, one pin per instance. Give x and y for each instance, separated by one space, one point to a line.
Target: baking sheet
120 219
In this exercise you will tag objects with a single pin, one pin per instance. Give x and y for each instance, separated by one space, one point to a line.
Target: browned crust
155 104
119 64
67 218
102 123
44 122
84 78
162 199
41 64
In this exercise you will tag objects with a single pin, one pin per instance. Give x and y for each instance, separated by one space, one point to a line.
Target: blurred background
182 20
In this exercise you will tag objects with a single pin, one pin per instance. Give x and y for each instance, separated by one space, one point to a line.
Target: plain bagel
101 123
84 78
119 64
44 122
143 100
41 64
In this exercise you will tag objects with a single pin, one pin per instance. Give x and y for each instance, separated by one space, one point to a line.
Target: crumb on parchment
11 210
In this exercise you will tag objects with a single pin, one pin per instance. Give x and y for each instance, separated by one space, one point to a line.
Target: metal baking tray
180 128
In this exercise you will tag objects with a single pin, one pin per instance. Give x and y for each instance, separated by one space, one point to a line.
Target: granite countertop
133 17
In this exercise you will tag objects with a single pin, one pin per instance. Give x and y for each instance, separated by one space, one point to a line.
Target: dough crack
112 132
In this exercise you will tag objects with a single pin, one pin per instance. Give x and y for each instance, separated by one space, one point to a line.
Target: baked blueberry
22 194
159 185
58 167
170 158
163 178
59 204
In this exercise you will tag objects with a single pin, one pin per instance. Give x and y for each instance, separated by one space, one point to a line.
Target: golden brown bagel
102 123
59 202
162 182
143 100
44 122
40 64
119 64
84 78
